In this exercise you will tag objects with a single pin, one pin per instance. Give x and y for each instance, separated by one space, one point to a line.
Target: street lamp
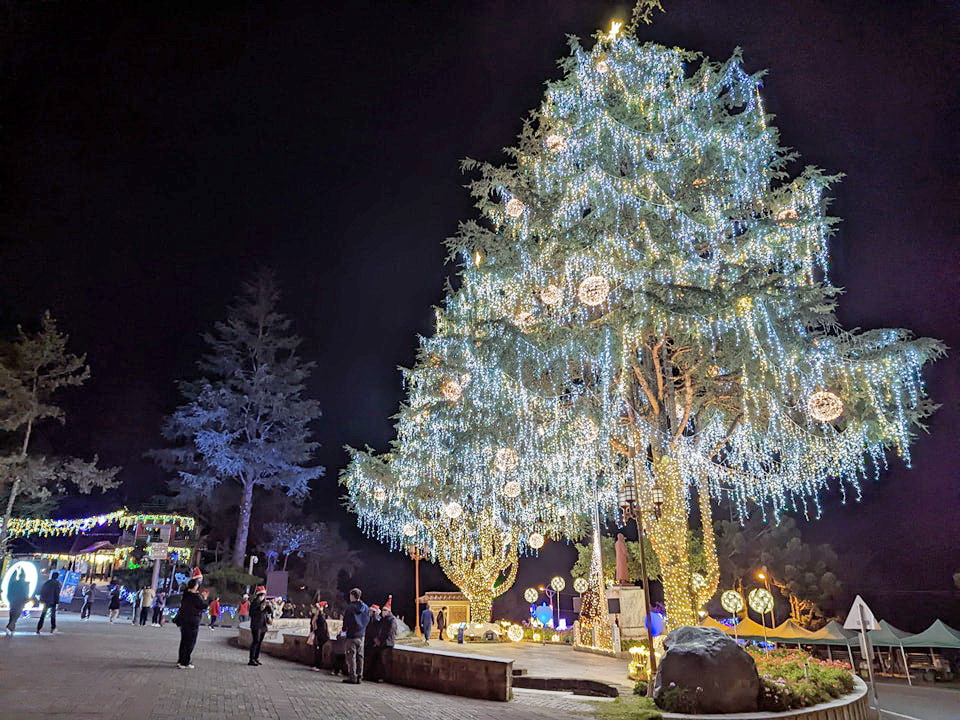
416 556
630 508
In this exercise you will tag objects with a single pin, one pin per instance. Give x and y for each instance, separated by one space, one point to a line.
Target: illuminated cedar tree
462 479
672 278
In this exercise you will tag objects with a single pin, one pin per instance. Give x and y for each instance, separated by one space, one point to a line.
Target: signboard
158 551
277 583
860 617
70 581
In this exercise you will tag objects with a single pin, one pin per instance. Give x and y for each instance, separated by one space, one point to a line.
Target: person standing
50 596
214 612
136 601
192 606
243 609
320 633
147 596
261 615
386 639
87 606
355 619
18 592
371 640
426 623
159 603
114 607
441 622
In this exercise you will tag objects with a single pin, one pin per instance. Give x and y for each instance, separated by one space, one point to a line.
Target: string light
21 527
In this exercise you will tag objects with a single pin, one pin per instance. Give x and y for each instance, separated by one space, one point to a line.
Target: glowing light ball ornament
555 143
587 430
535 540
602 66
824 406
512 489
558 583
506 459
594 290
761 600
580 585
515 633
788 217
515 208
551 295
30 574
380 494
451 390
409 530
732 601
531 595
453 510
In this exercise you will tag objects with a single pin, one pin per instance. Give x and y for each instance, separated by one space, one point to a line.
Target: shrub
677 699
640 687
791 679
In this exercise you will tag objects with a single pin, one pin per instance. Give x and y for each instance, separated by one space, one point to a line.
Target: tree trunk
243 525
14 489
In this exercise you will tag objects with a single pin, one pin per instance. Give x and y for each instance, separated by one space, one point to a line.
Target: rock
713 673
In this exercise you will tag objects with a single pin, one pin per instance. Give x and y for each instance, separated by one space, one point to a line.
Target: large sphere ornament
453 510
515 208
594 290
824 406
551 295
451 390
535 540
761 600
587 429
531 595
515 632
524 320
580 585
732 601
512 489
558 583
555 142
409 530
788 217
380 494
602 66
506 459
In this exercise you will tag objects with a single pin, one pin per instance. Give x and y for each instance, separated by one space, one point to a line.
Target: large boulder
706 671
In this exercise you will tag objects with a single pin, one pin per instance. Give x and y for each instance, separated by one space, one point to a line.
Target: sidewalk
99 671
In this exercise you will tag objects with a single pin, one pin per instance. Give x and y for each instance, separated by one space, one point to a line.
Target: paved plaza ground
99 671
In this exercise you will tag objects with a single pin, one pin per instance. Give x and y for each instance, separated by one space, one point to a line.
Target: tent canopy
746 628
938 635
789 631
888 635
831 634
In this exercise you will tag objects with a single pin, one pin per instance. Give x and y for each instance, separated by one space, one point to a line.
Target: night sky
154 155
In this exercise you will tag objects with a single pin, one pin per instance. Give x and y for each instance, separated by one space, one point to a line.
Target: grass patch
628 707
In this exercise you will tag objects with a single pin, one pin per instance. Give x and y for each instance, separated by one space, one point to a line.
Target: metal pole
646 598
906 667
415 553
867 649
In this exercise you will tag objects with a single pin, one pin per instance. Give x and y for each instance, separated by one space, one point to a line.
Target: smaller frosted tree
33 369
245 420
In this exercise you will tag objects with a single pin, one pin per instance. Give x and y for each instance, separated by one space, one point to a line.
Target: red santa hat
322 604
197 575
261 590
386 605
375 607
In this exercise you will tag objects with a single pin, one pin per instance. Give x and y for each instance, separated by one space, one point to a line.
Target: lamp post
630 508
417 556
253 561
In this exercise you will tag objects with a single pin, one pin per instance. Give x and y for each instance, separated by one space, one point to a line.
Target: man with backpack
50 596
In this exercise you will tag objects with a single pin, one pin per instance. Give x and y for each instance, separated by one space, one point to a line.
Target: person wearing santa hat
383 646
261 616
319 632
371 640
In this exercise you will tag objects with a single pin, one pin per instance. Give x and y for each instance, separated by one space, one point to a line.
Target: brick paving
99 671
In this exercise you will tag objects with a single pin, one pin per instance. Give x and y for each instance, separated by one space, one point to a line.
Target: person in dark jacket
261 615
355 619
441 622
114 607
18 592
320 631
386 639
371 640
49 596
193 605
426 623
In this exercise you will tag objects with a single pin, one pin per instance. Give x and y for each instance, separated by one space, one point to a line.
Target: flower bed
792 679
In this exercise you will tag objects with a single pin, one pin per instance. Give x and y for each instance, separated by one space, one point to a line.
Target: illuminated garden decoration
645 295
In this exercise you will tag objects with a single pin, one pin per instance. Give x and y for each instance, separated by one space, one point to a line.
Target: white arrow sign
860 617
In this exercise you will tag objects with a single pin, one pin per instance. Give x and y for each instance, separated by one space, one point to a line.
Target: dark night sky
155 154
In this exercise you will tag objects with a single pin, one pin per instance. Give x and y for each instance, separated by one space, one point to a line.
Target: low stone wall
854 706
451 673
